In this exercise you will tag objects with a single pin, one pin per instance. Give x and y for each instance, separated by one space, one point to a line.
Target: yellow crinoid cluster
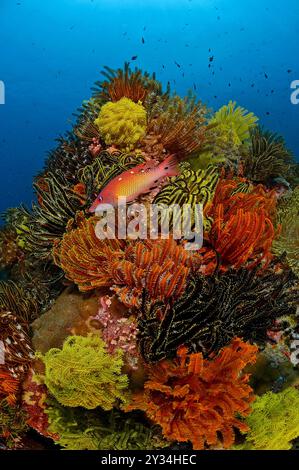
122 123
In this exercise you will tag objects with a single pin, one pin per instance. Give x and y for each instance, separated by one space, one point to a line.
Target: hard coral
68 315
82 373
199 400
122 123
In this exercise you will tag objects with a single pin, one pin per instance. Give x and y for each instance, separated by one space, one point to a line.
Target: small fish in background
134 57
139 180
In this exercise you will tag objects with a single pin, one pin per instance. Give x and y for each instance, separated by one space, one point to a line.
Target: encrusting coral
150 340
82 373
198 400
68 315
118 332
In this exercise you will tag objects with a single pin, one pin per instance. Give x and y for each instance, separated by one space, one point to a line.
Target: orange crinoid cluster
242 231
199 400
162 266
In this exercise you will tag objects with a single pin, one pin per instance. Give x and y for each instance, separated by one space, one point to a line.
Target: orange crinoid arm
199 400
127 266
242 231
9 386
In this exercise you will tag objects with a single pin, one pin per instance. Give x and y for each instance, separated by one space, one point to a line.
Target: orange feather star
198 400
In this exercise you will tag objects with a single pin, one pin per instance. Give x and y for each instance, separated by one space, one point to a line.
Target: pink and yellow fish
139 180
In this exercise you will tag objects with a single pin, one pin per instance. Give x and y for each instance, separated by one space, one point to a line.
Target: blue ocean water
53 50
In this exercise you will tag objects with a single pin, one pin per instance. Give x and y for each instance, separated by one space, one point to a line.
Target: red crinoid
199 400
160 266
9 386
34 398
124 82
242 231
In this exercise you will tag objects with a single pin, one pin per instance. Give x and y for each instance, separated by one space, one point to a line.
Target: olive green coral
274 421
122 123
82 373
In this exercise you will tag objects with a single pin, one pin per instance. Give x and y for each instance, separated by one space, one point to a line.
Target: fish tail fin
170 166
